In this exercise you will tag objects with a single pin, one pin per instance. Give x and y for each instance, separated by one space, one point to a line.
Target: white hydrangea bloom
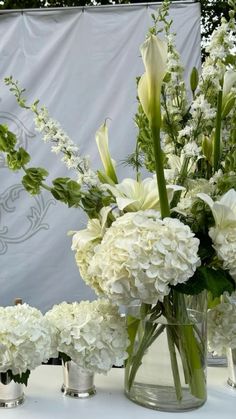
222 327
92 334
225 245
25 338
84 243
140 256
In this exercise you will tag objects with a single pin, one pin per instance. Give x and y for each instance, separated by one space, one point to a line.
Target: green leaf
20 378
7 139
33 179
67 191
17 159
64 357
132 328
205 278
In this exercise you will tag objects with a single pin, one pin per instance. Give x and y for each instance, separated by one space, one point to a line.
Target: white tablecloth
44 399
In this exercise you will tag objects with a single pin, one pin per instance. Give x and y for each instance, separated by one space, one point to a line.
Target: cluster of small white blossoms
52 132
221 327
224 240
174 89
188 198
223 233
220 46
140 256
25 339
92 334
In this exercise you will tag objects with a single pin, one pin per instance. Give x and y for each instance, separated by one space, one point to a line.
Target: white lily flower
95 230
154 55
224 210
102 144
133 195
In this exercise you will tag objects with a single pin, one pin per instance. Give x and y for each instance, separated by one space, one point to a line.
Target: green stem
174 364
149 335
161 183
217 139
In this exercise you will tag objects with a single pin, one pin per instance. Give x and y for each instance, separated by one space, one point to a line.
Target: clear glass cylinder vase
77 382
11 393
231 357
166 368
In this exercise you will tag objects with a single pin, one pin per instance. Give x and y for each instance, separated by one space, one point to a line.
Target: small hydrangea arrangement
159 239
91 334
222 327
25 341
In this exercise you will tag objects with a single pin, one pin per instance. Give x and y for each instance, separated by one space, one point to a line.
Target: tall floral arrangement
170 235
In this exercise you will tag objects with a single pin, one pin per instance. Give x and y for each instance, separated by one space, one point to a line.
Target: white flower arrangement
141 256
222 327
25 340
146 239
92 334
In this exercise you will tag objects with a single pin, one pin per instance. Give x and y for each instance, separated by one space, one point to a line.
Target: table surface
45 401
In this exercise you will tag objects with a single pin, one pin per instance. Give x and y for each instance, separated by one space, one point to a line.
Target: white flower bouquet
25 341
160 240
91 334
222 326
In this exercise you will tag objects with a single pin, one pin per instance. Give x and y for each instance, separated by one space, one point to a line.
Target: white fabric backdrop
82 64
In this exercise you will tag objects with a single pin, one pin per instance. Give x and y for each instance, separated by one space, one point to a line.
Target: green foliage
64 357
33 179
17 159
226 182
94 200
215 281
67 191
7 139
20 378
144 139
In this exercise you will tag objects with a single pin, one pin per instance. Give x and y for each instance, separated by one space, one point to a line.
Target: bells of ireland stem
102 144
154 55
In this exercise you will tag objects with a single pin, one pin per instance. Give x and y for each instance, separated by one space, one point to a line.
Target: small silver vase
231 356
11 393
76 381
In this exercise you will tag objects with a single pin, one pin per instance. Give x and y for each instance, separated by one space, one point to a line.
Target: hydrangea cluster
223 234
25 339
225 245
141 256
222 327
92 334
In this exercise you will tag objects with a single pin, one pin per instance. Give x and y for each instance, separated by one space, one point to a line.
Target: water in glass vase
167 357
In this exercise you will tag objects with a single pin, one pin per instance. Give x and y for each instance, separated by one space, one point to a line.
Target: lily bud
154 55
228 96
102 144
207 148
194 79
